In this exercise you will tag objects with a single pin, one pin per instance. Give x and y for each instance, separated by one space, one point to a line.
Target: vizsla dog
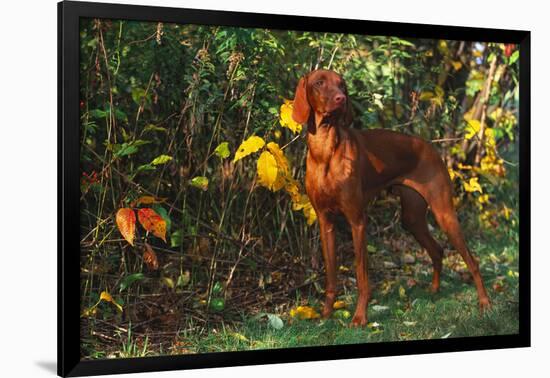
346 168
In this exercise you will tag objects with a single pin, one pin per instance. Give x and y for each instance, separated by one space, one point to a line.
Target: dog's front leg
358 228
328 245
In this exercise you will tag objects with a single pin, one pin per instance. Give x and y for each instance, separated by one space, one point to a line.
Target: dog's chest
330 182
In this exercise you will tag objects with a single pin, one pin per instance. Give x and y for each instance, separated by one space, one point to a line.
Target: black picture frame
69 13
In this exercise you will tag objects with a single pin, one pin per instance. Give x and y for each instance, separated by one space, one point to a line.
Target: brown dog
346 168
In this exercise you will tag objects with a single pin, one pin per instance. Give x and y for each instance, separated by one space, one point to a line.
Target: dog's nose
340 98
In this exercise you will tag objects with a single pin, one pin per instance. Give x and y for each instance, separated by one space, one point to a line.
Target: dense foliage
179 234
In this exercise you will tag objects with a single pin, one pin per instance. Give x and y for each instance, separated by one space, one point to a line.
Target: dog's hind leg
413 219
445 215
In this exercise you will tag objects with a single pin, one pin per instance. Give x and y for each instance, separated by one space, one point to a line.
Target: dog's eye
319 83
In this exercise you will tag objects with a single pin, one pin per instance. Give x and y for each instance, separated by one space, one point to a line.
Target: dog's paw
327 311
484 305
358 321
434 289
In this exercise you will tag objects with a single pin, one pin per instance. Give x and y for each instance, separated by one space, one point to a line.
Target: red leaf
126 222
150 258
152 222
509 49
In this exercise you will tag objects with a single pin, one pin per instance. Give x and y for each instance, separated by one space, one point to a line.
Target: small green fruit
217 304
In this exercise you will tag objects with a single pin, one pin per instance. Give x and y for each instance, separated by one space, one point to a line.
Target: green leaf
120 115
162 159
129 280
183 279
129 148
98 113
222 150
140 142
200 182
217 288
146 167
138 94
175 239
275 321
125 149
513 57
152 127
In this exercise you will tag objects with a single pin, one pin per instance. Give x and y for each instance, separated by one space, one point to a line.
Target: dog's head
322 93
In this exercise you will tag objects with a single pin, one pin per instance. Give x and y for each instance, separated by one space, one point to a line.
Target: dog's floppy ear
301 107
348 113
348 118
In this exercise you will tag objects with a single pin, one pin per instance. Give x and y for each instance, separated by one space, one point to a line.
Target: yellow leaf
452 173
283 168
148 200
402 292
278 154
439 92
90 311
168 282
249 146
126 223
301 202
311 215
456 64
105 296
426 96
464 166
483 199
239 336
267 170
496 114
293 190
338 305
304 312
472 186
279 182
200 182
506 212
286 117
490 137
472 128
443 47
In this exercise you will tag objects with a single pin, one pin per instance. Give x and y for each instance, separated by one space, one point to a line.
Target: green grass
414 314
398 310
453 312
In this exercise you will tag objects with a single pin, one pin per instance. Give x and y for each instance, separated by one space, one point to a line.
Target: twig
446 140
293 139
103 336
484 100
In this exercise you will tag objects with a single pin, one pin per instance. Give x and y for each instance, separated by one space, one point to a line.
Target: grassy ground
452 313
402 308
416 315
